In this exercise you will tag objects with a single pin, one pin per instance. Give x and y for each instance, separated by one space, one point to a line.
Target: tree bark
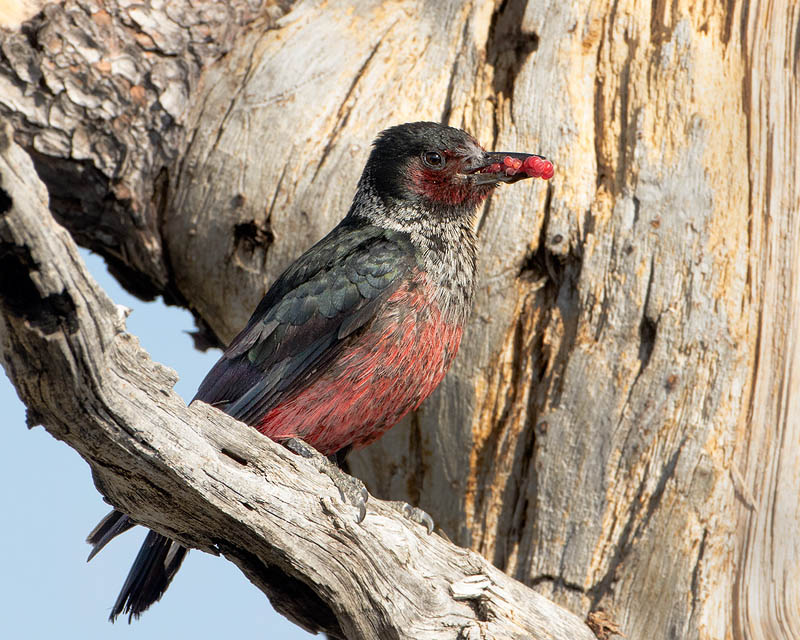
97 93
619 427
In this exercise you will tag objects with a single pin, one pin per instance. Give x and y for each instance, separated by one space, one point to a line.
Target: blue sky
49 505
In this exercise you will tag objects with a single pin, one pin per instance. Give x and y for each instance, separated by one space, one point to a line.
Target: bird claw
351 490
301 448
415 514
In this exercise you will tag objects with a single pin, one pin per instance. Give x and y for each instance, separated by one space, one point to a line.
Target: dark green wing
307 317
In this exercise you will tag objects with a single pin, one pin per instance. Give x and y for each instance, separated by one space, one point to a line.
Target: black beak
501 166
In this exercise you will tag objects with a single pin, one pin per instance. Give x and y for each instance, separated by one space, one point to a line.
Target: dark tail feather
106 530
157 563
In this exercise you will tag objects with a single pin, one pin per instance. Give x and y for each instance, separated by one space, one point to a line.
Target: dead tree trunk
620 427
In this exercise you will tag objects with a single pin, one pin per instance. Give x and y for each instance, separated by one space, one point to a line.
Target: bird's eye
433 159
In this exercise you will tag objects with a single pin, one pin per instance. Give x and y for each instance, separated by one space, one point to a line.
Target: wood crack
603 587
343 114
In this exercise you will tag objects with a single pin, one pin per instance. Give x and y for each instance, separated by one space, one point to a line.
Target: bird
363 326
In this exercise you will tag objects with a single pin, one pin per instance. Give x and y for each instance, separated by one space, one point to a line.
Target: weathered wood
98 93
764 469
620 425
200 476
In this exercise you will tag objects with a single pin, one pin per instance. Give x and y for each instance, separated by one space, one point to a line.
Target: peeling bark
98 93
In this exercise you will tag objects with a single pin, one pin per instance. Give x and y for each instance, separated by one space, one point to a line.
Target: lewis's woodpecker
363 326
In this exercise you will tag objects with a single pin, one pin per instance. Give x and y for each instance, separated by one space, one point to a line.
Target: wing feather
307 318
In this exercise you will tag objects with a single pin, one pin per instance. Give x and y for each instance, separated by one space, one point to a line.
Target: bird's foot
301 448
351 489
415 514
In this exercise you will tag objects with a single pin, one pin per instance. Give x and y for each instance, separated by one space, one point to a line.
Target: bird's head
442 169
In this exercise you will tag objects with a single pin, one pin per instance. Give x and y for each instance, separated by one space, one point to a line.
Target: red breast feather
386 372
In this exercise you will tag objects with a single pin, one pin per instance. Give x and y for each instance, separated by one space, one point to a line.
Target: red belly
389 370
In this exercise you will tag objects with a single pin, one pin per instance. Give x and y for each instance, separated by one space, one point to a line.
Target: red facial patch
445 185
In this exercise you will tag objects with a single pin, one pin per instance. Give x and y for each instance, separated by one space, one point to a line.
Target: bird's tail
156 564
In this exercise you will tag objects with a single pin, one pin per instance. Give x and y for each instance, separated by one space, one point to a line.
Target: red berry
533 166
